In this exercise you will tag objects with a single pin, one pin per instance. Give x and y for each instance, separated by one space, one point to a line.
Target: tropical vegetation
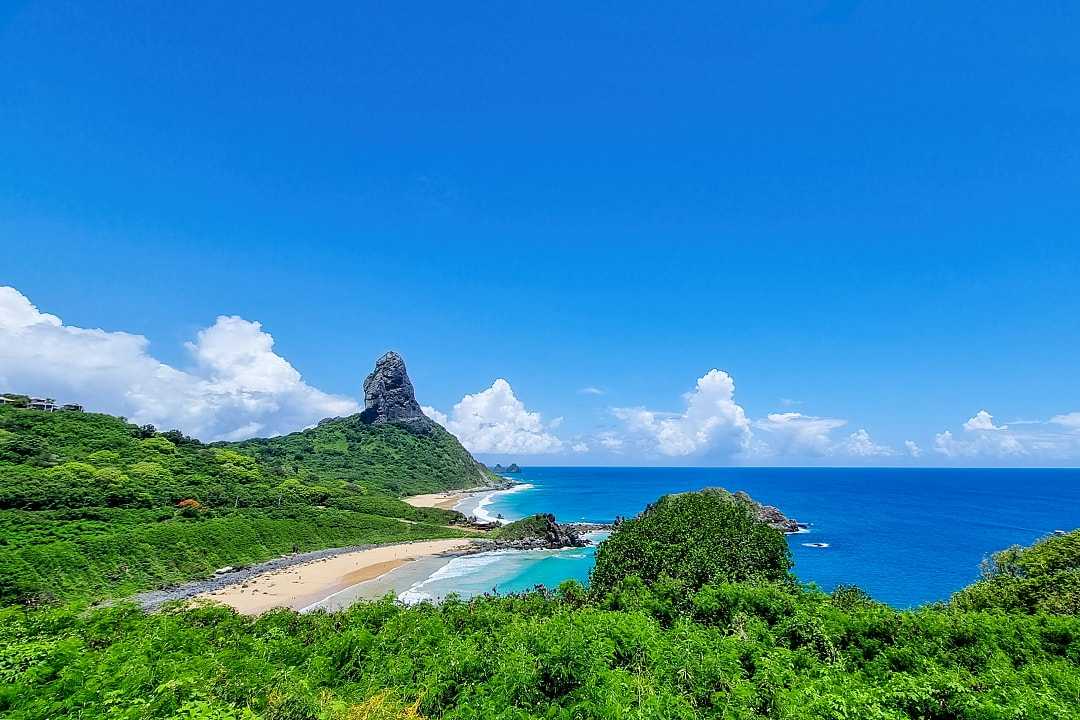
691 612
91 505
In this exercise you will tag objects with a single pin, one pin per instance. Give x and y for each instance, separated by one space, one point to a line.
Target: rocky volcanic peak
389 395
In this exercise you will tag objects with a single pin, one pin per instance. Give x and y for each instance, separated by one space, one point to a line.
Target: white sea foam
473 574
458 567
486 499
596 536
816 545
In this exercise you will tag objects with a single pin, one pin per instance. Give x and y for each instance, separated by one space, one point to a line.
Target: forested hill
391 446
91 504
67 460
394 458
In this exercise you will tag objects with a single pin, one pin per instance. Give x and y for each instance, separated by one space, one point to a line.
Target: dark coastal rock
389 396
555 535
583 528
771 515
537 532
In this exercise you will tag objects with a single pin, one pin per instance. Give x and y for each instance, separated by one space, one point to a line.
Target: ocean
906 536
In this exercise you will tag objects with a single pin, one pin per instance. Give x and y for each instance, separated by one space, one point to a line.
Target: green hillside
93 505
390 458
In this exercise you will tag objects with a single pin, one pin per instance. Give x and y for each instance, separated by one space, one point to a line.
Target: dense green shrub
692 539
1043 577
753 652
533 526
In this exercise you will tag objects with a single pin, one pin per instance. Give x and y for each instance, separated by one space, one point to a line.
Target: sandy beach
445 500
311 584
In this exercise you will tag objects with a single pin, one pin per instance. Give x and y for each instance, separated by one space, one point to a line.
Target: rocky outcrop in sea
771 515
536 532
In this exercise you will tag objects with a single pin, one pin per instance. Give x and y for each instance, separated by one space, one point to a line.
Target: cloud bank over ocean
236 386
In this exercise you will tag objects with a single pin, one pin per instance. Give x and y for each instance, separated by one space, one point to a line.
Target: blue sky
864 213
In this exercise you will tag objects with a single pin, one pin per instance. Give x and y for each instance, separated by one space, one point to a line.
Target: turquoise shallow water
906 536
505 572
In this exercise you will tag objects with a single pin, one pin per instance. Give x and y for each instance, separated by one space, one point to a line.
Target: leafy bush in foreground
765 651
1044 576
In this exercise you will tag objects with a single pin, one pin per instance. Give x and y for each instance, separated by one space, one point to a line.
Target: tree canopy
1043 577
91 504
692 539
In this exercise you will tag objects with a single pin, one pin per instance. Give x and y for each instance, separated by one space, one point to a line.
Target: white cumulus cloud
610 441
711 422
986 443
591 390
1052 440
860 444
982 420
495 421
1068 420
237 385
913 448
792 433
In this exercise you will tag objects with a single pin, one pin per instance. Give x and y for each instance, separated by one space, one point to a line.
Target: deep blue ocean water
906 536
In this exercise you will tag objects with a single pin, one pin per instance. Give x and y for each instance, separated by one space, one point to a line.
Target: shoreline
447 499
460 500
397 582
334 578
485 498
311 584
331 570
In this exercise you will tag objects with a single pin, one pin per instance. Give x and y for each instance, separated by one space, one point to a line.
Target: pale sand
310 584
393 583
444 500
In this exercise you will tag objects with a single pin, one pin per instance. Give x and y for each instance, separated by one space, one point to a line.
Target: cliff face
389 396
